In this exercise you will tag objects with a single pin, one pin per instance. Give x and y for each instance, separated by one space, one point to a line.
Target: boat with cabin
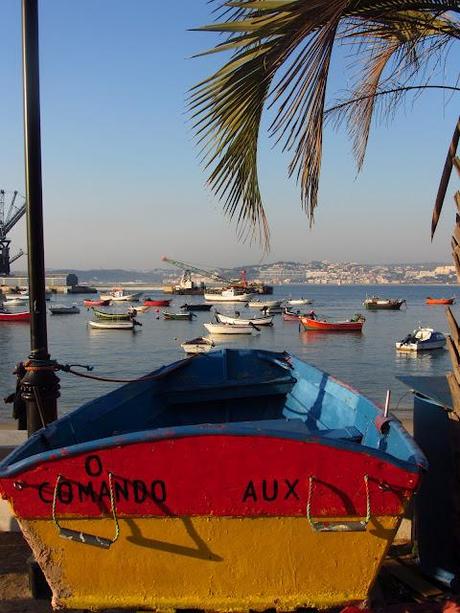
118 294
313 322
375 303
205 484
422 339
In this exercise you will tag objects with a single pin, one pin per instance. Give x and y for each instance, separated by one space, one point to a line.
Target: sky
122 184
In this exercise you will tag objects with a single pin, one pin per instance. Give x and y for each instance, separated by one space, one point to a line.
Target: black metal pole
40 386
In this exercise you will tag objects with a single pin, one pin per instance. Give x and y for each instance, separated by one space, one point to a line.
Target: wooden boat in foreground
22 316
430 300
111 316
230 481
312 322
374 303
221 328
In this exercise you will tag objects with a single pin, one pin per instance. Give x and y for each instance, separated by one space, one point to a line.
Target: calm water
368 361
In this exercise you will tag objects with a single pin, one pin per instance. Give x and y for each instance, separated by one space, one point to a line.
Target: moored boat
265 304
111 316
313 322
12 317
156 303
240 321
430 300
15 302
221 328
289 315
188 315
64 309
228 295
196 307
258 459
201 344
374 303
138 310
118 294
113 325
298 301
95 303
422 339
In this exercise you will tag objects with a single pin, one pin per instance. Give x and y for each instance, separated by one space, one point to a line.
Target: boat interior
229 390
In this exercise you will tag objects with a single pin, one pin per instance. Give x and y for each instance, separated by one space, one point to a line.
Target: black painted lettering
65 492
93 466
86 491
104 490
273 494
140 491
42 490
250 492
158 491
291 489
121 489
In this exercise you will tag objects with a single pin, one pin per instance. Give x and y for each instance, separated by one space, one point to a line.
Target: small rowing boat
138 310
196 307
256 321
229 328
290 316
12 317
188 315
156 303
298 301
431 300
236 480
265 304
422 339
312 322
113 325
201 344
64 309
96 303
108 316
374 303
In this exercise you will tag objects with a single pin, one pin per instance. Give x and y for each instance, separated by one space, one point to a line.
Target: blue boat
237 479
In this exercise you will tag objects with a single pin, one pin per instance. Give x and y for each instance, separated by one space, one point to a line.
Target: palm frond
281 57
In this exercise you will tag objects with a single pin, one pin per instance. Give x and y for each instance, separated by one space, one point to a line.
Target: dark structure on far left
12 208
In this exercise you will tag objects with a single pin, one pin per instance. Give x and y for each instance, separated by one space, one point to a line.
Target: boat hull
256 321
11 317
157 303
229 298
329 326
111 325
440 300
91 303
383 305
228 329
200 534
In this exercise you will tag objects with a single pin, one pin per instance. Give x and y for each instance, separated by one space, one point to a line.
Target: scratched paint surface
213 475
216 563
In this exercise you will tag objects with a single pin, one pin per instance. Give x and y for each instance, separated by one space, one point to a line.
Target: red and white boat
23 316
312 322
93 303
156 303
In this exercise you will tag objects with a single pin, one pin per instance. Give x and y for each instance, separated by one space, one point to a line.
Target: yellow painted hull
217 563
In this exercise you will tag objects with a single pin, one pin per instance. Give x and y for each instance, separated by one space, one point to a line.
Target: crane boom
199 271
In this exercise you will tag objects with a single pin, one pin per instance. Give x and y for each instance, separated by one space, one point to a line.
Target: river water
367 361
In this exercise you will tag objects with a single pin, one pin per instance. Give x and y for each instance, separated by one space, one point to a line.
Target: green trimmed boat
188 315
112 316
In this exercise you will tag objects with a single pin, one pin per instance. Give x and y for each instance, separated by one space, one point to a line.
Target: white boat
137 310
265 304
15 301
256 321
201 344
422 339
112 325
298 301
64 309
117 294
228 329
228 295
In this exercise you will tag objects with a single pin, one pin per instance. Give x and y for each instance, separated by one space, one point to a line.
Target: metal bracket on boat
85 537
339 526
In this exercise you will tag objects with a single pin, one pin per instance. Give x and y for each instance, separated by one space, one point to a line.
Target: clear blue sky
122 184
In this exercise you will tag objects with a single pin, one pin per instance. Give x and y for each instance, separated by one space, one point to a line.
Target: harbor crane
10 214
188 269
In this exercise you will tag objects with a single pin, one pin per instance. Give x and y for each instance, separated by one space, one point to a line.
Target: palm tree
281 52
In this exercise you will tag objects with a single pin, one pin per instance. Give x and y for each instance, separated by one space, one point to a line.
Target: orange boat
311 322
430 300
